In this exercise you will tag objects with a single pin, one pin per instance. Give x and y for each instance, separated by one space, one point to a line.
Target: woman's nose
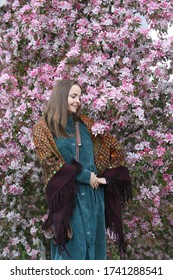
78 100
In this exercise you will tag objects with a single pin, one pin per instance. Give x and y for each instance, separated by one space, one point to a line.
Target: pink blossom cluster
126 84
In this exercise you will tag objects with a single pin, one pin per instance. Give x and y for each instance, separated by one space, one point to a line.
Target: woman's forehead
75 89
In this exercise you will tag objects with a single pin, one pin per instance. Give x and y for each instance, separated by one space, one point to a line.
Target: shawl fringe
61 195
117 193
121 189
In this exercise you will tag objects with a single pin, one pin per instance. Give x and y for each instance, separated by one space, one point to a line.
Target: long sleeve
84 176
108 152
67 148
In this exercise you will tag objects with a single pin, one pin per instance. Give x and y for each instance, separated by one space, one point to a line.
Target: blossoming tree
127 89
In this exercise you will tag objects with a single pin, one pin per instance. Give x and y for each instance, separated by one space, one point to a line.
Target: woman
85 178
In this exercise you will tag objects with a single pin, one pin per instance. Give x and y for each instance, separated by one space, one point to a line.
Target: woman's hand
102 181
95 181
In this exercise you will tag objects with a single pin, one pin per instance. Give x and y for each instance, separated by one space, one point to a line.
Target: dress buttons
73 144
88 232
82 193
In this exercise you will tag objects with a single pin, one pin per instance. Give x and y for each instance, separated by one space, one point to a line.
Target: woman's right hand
94 181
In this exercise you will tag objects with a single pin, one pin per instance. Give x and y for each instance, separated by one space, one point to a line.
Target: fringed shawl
61 196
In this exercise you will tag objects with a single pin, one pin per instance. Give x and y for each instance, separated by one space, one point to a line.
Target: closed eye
73 96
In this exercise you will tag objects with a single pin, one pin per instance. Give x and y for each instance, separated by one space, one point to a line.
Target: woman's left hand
102 181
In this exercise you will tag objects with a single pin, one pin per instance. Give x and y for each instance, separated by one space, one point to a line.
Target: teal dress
88 219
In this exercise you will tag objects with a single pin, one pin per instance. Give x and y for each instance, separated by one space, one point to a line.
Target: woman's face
74 98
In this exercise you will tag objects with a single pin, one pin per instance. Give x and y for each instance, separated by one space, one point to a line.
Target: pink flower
158 162
14 164
145 193
2 213
160 151
156 201
21 109
151 132
99 128
15 4
142 145
33 230
34 73
44 217
64 5
120 122
99 104
156 221
171 221
12 216
6 252
15 241
7 16
73 52
129 235
145 225
155 190
169 138
4 78
133 223
32 221
132 158
170 186
15 190
33 253
28 248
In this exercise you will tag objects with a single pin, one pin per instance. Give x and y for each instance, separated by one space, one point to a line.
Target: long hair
56 110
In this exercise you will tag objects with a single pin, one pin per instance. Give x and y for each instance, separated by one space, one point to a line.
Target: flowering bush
127 88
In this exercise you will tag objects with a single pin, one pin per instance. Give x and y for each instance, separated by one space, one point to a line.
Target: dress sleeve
84 176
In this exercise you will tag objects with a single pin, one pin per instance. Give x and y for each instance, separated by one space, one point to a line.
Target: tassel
120 188
60 216
61 195
117 193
